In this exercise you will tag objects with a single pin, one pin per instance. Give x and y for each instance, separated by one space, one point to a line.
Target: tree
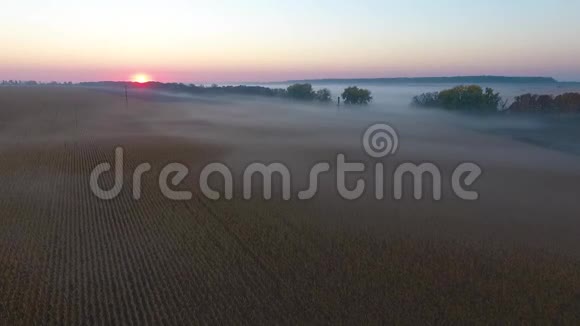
462 97
301 92
323 95
426 99
567 102
470 97
491 100
355 95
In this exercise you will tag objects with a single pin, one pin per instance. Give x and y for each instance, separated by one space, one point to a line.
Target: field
69 258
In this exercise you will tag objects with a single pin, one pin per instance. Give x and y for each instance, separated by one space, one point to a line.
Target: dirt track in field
67 257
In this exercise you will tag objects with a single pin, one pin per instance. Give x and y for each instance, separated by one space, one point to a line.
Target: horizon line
339 79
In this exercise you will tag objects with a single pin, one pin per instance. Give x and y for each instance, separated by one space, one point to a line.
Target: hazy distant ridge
456 79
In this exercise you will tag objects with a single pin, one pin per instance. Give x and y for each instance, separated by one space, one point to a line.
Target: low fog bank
523 186
273 125
300 134
528 189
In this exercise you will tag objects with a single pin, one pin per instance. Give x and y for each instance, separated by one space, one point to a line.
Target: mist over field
391 103
290 259
530 162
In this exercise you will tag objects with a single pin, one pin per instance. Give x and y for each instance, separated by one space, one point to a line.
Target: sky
258 40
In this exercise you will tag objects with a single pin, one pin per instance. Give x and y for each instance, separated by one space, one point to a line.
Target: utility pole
126 97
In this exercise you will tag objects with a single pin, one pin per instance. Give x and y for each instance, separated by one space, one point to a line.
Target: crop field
69 258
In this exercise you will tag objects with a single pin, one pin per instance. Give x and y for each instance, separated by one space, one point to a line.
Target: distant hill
435 80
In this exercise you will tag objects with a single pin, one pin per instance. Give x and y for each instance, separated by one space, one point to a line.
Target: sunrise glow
232 41
141 78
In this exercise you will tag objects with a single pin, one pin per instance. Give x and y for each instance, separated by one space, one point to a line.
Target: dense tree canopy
471 97
567 102
474 98
301 92
307 92
323 95
355 95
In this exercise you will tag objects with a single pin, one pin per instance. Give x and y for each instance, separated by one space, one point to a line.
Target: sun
141 78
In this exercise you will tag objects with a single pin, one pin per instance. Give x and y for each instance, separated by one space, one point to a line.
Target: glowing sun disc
141 78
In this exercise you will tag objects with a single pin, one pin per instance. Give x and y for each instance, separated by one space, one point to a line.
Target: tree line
32 83
299 91
475 99
350 95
